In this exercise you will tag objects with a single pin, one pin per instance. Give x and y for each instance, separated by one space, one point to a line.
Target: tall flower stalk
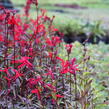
13 27
6 39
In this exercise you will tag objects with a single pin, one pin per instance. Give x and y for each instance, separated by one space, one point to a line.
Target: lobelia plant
32 74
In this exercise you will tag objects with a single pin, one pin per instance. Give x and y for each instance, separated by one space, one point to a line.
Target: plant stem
14 42
75 91
70 81
6 42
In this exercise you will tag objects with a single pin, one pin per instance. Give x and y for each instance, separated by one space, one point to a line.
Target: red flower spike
64 71
72 67
68 66
64 64
28 5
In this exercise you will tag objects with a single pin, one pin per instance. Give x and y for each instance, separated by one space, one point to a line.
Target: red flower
68 48
24 61
72 67
59 96
68 66
55 29
28 5
50 55
17 75
49 42
12 21
41 28
34 81
36 91
54 41
60 59
65 66
1 38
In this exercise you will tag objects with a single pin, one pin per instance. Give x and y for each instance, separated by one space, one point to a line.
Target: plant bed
38 70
